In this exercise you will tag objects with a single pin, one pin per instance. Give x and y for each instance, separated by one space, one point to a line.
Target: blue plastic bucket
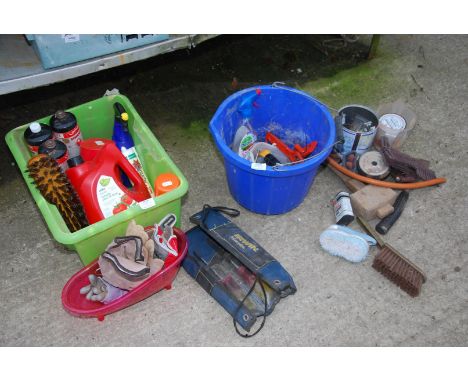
294 117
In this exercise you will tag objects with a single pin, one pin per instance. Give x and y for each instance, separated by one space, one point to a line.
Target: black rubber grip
387 222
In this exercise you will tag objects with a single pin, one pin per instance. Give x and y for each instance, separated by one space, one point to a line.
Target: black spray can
56 150
36 134
343 209
65 128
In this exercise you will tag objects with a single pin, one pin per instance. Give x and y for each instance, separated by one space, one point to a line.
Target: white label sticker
148 203
258 166
167 183
393 121
71 38
99 143
112 199
365 141
342 208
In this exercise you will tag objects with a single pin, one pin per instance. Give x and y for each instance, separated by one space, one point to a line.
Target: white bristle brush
346 243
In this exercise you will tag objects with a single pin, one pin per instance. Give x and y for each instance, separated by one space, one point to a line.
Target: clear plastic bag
396 120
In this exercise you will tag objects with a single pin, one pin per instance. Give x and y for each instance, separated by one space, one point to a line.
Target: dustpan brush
394 266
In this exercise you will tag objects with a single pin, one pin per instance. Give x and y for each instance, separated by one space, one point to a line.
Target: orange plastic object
165 182
380 183
292 155
306 151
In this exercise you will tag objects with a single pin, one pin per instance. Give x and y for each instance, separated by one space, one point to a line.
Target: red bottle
98 183
90 147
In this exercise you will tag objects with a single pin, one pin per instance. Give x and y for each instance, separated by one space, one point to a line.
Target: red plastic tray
77 305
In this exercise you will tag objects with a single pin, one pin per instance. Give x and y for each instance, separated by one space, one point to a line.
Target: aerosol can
65 128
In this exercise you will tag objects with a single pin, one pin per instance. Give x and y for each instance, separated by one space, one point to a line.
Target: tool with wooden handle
394 266
368 201
387 222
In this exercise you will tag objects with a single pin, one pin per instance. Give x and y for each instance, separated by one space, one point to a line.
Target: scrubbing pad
346 243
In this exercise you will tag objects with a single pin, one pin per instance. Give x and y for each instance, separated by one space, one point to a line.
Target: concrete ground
337 303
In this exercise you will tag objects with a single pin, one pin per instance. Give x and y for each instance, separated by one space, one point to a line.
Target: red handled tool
306 151
299 152
292 155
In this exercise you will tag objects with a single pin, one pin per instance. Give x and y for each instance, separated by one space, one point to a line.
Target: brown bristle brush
394 266
57 189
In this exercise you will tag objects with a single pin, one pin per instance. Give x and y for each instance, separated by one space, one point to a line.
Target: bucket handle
278 166
278 84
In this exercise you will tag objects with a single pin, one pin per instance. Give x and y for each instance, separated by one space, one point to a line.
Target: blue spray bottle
124 141
121 136
245 135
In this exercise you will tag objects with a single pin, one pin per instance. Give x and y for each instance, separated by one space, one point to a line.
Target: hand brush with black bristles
57 189
394 266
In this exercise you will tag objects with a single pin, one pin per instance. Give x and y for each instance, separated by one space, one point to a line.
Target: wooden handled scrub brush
57 189
394 266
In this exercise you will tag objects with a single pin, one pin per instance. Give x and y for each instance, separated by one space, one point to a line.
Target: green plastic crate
96 119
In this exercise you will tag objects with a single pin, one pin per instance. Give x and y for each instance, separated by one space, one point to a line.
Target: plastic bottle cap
124 117
165 183
90 147
35 127
50 144
60 114
264 153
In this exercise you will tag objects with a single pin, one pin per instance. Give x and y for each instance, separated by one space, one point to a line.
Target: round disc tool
372 164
